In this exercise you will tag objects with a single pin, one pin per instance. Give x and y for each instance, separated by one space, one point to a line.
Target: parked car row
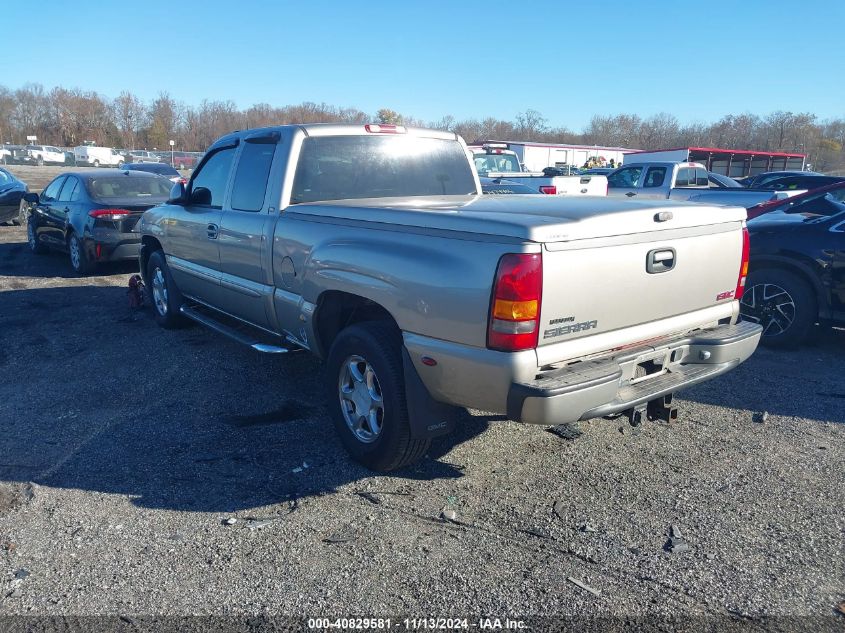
93 156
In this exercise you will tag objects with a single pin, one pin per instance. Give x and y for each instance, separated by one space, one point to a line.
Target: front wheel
366 392
96 163
40 161
32 240
120 165
782 303
163 294
23 209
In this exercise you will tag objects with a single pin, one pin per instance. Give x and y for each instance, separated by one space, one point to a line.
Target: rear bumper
113 247
602 387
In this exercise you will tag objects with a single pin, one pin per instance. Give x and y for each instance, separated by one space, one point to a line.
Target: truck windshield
485 163
347 167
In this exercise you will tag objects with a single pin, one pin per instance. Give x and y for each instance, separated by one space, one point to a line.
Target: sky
696 60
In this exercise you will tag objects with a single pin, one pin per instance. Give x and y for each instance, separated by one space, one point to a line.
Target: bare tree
129 117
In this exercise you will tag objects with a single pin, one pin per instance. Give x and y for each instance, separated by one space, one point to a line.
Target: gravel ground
126 450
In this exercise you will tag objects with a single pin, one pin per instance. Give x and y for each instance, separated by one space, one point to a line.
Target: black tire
79 260
162 293
783 303
23 211
378 345
35 244
40 161
120 165
96 163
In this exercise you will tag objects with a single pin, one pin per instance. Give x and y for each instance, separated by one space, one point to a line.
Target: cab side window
209 184
626 177
251 176
656 176
52 190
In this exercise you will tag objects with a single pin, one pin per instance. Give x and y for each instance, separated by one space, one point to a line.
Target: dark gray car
90 214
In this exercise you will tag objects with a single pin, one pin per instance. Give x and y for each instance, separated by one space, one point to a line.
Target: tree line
70 116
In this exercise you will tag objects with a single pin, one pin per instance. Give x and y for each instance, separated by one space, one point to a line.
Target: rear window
348 167
485 163
129 187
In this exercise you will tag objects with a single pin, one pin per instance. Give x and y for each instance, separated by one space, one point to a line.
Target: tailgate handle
660 260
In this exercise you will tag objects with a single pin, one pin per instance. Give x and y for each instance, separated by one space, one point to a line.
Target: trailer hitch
661 409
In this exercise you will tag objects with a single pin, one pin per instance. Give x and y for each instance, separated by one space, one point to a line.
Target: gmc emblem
728 294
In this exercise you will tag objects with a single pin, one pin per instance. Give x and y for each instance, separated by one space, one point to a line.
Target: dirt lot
125 449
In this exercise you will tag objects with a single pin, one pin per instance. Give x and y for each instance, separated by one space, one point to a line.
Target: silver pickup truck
372 247
683 181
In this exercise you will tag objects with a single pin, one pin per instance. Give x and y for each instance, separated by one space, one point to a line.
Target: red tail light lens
515 305
109 214
549 189
373 128
743 267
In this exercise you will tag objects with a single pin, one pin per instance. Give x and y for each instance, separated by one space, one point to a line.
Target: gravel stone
178 430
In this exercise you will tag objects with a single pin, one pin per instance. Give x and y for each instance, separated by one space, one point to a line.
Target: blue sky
697 60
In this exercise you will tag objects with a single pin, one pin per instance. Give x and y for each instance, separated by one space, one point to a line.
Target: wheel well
149 246
798 272
337 310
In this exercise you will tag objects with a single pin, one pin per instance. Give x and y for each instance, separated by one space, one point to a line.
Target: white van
97 156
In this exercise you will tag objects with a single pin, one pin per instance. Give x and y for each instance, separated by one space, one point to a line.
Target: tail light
743 267
109 214
549 189
373 128
515 306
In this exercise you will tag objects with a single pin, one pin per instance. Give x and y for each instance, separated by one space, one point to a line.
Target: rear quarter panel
437 286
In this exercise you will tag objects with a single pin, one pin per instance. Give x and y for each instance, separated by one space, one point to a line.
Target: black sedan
797 267
804 181
12 204
762 180
90 214
161 169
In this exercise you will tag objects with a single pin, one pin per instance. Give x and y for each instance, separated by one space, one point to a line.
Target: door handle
630 193
212 230
660 260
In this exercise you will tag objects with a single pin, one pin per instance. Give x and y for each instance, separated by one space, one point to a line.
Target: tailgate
598 285
581 185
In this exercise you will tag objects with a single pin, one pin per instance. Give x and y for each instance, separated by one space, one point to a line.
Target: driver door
625 182
194 228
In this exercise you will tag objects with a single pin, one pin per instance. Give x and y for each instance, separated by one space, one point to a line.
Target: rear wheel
781 302
41 161
366 391
79 260
162 293
96 163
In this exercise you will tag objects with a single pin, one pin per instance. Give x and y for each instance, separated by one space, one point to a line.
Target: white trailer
537 156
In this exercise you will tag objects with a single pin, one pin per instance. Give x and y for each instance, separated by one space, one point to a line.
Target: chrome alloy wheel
75 255
361 399
159 291
769 305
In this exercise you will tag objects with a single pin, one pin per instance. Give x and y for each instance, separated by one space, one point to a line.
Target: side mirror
178 194
32 198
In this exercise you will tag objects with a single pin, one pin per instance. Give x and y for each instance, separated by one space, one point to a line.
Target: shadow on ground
98 398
